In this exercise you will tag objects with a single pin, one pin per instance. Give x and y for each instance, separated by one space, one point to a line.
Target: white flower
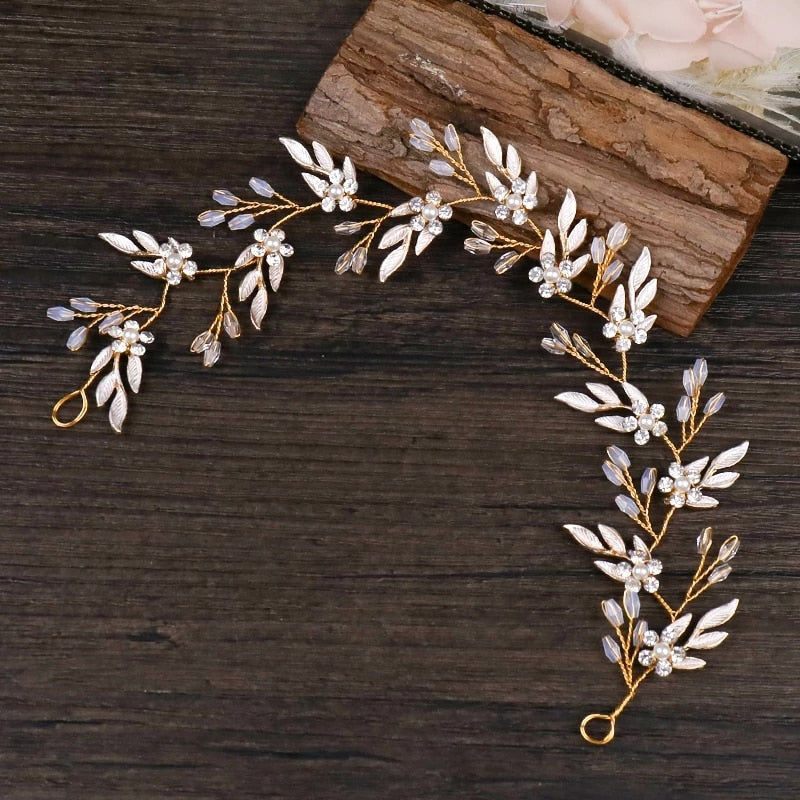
553 276
429 213
271 244
626 330
663 654
514 202
638 571
339 190
174 262
129 339
682 487
644 421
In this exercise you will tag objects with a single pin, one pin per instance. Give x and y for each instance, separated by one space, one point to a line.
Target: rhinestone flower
681 487
429 213
553 277
626 330
174 262
644 421
272 245
129 339
644 568
664 654
514 203
339 192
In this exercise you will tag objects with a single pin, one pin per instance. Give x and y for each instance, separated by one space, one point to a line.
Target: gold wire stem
298 210
611 718
156 313
663 531
599 367
374 204
594 309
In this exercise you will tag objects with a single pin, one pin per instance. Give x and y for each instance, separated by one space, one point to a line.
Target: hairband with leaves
638 650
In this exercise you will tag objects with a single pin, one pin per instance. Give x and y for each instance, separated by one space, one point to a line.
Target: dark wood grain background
332 567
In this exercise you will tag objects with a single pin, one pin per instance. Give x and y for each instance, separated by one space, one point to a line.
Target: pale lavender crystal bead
240 222
60 314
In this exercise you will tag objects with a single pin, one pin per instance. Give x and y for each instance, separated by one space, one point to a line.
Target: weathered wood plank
692 188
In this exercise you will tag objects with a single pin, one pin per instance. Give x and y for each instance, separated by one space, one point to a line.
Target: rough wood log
690 187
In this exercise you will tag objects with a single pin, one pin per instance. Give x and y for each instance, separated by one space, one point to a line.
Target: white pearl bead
646 422
640 572
273 243
514 202
683 484
430 212
661 651
174 261
336 191
551 274
627 328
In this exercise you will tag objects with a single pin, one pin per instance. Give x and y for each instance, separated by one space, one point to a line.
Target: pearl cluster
429 213
663 654
681 486
554 278
645 420
128 338
339 191
515 203
625 330
272 245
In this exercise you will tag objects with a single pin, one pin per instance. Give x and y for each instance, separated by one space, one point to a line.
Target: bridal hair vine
638 650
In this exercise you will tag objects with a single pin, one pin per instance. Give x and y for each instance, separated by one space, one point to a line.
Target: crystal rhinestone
518 185
500 193
563 285
641 437
131 325
630 424
260 235
646 658
416 223
610 330
693 476
624 569
328 204
617 314
650 585
286 250
640 337
336 176
657 410
502 212
433 197
185 250
694 495
258 250
165 249
530 201
114 331
536 274
632 585
637 317
435 227
347 204
350 186
663 668
279 234
190 269
138 349
675 470
445 212
519 217
665 485
622 345
655 566
659 429
678 654
173 278
119 346
415 204
677 500
638 407
546 290
146 337
650 638
274 259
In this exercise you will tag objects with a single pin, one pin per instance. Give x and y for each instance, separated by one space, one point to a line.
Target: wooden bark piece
690 187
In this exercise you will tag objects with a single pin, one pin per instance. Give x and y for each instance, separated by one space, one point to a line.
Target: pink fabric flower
671 35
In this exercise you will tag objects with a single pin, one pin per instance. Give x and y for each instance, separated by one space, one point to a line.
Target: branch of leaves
720 568
562 343
425 140
623 649
693 380
111 384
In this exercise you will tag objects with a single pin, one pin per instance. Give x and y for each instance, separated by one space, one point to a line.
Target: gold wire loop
63 401
612 721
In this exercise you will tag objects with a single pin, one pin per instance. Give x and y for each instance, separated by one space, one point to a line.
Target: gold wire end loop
63 401
612 721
